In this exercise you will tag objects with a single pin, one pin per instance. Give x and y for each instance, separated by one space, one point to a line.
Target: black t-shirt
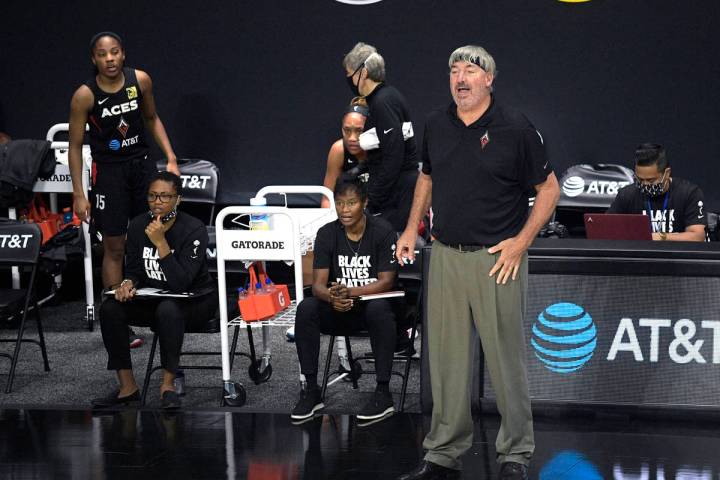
482 174
685 206
184 270
355 264
353 166
117 131
388 111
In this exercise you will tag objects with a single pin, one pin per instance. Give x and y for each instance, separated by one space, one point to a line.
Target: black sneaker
513 471
309 403
380 405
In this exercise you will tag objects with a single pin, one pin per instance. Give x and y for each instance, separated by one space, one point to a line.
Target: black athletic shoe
112 400
513 471
430 471
380 405
170 400
309 403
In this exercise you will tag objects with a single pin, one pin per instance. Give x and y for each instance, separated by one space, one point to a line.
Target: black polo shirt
482 174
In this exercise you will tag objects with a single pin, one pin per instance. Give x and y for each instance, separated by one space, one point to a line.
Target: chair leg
236 333
148 371
16 353
327 367
409 354
41 335
353 377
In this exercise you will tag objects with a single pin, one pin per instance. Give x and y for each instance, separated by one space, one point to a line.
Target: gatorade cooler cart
292 233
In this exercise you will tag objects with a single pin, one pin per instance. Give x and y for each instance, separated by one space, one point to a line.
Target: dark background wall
257 87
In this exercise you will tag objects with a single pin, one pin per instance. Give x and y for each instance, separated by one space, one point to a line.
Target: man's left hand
508 263
155 231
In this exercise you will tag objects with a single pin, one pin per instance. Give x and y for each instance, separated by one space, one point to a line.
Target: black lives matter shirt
184 270
685 206
482 173
355 264
116 130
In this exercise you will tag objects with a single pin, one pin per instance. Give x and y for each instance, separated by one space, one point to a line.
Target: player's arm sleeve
535 161
388 123
322 251
695 208
183 265
386 260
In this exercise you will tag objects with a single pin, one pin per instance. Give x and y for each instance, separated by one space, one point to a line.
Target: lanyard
664 210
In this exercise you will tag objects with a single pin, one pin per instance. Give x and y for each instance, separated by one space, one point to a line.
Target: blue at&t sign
564 337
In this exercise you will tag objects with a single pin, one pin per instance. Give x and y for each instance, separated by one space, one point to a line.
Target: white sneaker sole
377 415
317 407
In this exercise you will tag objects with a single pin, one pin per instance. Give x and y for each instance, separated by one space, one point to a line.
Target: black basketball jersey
116 125
350 161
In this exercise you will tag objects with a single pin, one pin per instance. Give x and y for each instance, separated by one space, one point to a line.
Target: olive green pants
463 301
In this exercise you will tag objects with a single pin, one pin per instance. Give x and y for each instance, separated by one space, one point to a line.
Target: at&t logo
564 337
573 186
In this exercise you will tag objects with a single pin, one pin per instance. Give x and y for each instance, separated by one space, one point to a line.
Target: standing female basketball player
118 106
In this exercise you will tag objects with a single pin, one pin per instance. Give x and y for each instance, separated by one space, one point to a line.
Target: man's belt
462 247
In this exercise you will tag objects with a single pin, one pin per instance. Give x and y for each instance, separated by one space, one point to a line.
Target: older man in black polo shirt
480 159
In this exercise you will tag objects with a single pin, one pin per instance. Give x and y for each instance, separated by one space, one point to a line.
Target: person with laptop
676 206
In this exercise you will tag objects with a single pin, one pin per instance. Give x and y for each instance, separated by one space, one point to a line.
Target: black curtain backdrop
257 87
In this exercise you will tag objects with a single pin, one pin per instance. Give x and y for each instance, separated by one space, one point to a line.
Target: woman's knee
380 308
111 311
307 310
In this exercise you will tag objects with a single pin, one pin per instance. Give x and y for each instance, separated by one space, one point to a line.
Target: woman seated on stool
355 254
165 249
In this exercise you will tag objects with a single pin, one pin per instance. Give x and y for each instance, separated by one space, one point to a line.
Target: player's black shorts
119 193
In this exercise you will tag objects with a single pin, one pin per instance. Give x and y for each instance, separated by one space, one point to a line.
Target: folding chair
410 281
211 327
20 247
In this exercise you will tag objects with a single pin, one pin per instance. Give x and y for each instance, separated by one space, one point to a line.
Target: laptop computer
613 226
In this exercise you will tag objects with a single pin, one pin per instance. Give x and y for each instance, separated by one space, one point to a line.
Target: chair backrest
19 243
199 179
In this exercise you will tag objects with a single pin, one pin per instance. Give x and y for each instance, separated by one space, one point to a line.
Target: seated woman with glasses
354 256
165 249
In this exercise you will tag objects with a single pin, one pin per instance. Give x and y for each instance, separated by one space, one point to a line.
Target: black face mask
165 218
355 89
651 189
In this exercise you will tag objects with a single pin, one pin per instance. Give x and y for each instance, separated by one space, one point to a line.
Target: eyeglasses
349 203
163 197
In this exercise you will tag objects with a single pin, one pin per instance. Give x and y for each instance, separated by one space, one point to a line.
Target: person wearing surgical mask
676 206
392 158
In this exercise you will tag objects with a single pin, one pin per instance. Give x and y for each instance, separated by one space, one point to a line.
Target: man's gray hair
362 53
474 54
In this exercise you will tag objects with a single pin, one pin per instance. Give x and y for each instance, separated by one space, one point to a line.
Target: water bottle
259 290
242 293
269 286
259 221
67 215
